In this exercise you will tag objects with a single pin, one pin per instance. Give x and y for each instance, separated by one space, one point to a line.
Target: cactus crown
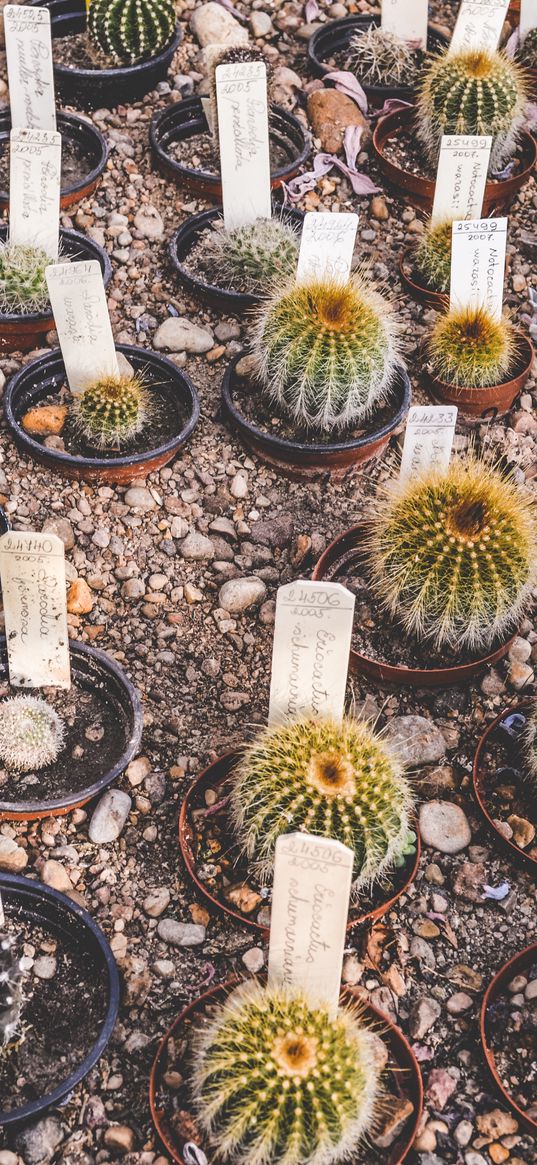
472 92
433 255
326 351
129 31
23 287
329 779
11 979
277 1079
470 347
111 412
251 258
452 555
31 733
378 57
527 53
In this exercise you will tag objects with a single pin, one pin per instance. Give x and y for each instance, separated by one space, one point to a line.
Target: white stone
444 826
108 819
416 739
180 934
179 334
212 24
261 24
253 960
238 594
13 857
139 498
197 547
239 486
149 222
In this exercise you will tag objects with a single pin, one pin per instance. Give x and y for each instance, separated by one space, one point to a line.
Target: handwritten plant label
326 246
310 656
82 321
528 17
478 264
29 67
242 103
34 188
310 905
407 19
32 568
428 439
461 177
479 25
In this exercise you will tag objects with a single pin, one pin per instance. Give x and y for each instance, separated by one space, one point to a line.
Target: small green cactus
452 556
11 980
252 258
31 733
472 92
329 779
432 258
278 1081
527 53
129 31
378 57
23 287
471 348
326 352
111 412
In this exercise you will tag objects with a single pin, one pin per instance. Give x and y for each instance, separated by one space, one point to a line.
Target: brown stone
46 421
330 112
523 830
244 898
79 598
395 1113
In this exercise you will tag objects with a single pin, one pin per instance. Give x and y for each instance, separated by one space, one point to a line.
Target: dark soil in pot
84 157
509 1034
502 787
222 875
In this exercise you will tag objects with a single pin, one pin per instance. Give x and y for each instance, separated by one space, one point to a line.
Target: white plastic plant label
29 67
34 188
478 264
82 321
32 568
326 246
244 142
528 17
407 19
310 906
310 656
461 177
479 25
428 439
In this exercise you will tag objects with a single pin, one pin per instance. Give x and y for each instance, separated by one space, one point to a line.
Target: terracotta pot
90 669
411 279
44 375
82 134
333 40
186 119
485 404
405 1075
518 965
419 191
301 460
480 786
338 558
216 777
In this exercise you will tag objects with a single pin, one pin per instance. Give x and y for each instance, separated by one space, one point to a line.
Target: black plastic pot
4 522
186 119
183 242
85 137
44 375
20 332
333 39
65 919
91 669
98 88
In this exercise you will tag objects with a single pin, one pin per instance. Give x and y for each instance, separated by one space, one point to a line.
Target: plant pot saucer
119 706
488 1023
19 331
333 40
186 119
419 190
85 139
300 460
412 281
485 404
37 904
341 558
181 245
484 768
216 777
45 375
403 1074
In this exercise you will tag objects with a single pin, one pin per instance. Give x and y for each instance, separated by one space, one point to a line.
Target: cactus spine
111 412
11 980
433 256
31 733
252 258
378 57
333 780
129 31
23 287
278 1081
470 347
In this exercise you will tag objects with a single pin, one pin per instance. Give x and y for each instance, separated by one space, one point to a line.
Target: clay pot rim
53 902
524 360
68 462
66 119
74 237
357 23
478 787
419 291
514 965
395 673
347 995
57 806
225 763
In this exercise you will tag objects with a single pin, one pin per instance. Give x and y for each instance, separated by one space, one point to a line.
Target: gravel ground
151 599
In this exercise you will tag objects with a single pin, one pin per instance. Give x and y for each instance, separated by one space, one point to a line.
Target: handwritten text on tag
428 439
244 142
29 67
461 178
82 321
479 25
407 19
326 247
478 264
34 189
32 567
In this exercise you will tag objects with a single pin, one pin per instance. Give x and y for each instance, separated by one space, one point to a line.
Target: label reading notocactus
244 142
326 246
479 25
29 67
461 177
82 321
478 251
406 19
32 569
34 189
